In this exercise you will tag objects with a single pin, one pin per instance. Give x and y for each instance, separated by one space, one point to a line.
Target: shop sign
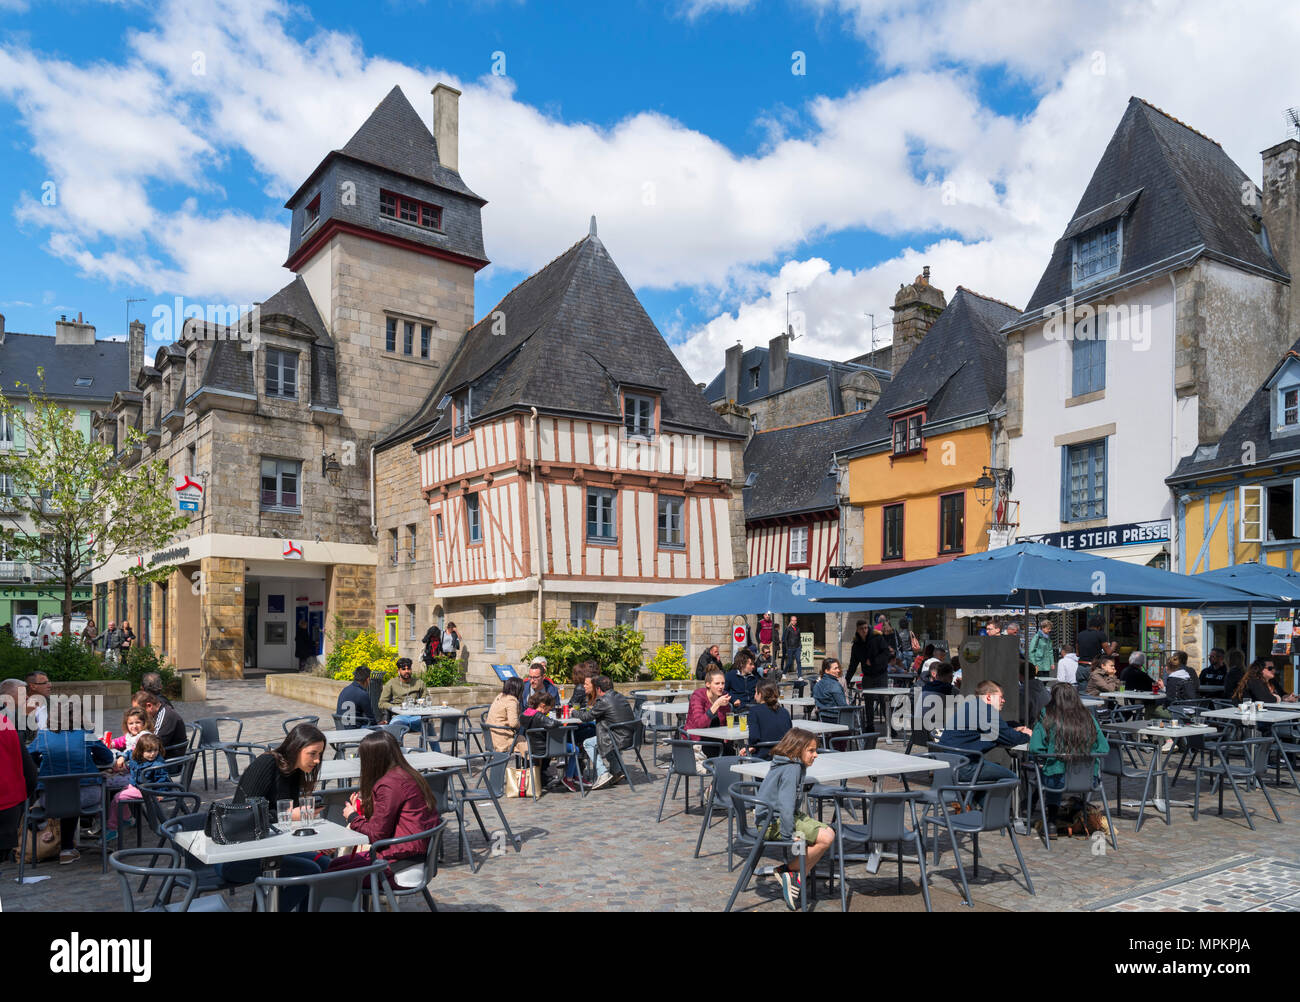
1105 537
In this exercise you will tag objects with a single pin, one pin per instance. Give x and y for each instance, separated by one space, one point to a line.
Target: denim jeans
589 746
412 721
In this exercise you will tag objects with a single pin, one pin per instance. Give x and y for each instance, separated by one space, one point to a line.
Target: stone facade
916 308
404 582
222 617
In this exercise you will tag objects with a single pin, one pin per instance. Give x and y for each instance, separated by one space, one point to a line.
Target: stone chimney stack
2 328
135 352
446 125
73 331
916 308
1281 217
731 377
778 357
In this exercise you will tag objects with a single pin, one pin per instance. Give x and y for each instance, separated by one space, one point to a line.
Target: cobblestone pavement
607 853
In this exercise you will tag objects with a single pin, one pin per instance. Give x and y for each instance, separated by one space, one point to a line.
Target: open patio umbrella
770 592
1266 585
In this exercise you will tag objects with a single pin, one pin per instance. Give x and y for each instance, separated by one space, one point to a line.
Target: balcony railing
19 571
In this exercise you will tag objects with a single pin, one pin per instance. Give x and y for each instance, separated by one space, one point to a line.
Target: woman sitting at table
503 718
1235 673
1259 684
538 716
287 773
1065 730
394 801
769 721
1180 683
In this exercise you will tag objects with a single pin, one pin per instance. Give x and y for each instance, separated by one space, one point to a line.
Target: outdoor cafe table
425 761
1251 722
346 737
796 703
1152 729
270 850
427 711
831 767
1092 702
1131 694
664 694
887 695
736 734
674 708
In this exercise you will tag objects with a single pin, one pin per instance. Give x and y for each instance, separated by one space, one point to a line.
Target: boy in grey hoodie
779 791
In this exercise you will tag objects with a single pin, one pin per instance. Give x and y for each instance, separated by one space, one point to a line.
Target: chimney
778 354
446 125
1281 218
916 308
135 350
2 328
73 331
731 379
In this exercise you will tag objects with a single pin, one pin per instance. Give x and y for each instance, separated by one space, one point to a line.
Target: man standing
860 653
304 646
354 701
112 638
742 682
1093 642
1040 649
880 648
790 647
610 707
708 661
537 680
396 690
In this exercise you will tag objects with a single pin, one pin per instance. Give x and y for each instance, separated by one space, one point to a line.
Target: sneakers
110 837
571 785
68 856
789 889
605 780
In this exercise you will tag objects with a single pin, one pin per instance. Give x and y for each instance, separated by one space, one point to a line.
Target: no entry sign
738 634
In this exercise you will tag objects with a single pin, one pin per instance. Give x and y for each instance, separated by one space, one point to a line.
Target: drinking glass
744 723
731 720
307 809
284 812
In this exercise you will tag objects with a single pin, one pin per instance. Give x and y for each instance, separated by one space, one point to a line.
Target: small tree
71 510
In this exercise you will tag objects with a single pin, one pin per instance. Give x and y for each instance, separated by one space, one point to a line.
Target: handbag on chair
522 782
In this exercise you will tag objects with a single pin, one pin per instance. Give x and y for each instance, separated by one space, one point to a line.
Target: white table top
328 836
1262 717
831 767
1133 694
821 727
346 737
722 733
1181 731
350 768
677 708
887 691
426 711
797 701
1092 702
662 693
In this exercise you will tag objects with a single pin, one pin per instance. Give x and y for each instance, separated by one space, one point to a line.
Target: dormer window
907 434
1097 253
410 210
753 378
462 410
1288 408
281 374
639 415
311 214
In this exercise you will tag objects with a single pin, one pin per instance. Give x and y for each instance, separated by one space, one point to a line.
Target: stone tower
916 308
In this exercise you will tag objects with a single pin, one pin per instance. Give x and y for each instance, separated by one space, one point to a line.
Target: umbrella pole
1250 636
1024 688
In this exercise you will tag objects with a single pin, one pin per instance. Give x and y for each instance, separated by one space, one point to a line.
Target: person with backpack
450 639
432 644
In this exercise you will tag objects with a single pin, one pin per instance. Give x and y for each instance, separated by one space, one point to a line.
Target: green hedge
68 660
616 650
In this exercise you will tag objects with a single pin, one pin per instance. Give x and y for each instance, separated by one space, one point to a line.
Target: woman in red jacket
17 771
394 801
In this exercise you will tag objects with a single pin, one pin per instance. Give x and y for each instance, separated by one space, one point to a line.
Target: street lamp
330 468
993 482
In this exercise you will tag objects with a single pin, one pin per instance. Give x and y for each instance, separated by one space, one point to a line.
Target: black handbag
228 822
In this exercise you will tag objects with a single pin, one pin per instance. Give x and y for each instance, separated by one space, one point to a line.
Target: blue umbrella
1034 574
1266 585
770 592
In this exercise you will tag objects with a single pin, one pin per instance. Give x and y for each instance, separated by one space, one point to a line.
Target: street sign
806 650
189 506
841 572
738 635
189 492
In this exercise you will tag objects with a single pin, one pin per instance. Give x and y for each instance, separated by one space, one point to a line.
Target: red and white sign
738 635
291 550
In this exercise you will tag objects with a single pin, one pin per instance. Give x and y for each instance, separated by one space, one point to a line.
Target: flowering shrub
355 649
669 662
617 650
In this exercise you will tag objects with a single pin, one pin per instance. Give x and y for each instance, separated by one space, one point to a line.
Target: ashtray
304 831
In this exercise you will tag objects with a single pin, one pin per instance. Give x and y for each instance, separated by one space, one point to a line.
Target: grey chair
1287 737
172 875
240 755
1112 764
333 890
636 731
720 769
887 816
489 787
212 741
293 722
1254 752
443 731
751 838
1082 779
60 800
413 878
498 731
469 733
546 743
662 726
682 765
993 814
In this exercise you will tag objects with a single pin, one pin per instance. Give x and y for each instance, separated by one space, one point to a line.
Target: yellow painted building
924 445
1239 501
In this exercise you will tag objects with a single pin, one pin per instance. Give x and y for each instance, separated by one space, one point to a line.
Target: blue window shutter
1065 483
1105 473
83 424
20 428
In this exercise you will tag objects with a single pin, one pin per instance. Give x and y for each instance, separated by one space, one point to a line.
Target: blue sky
945 133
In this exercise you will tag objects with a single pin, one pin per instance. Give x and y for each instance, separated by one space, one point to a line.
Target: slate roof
1179 195
799 371
106 362
1252 424
959 368
572 334
790 467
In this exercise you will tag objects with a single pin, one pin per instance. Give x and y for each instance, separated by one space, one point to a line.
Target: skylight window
85 380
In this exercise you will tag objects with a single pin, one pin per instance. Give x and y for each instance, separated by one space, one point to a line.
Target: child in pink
146 766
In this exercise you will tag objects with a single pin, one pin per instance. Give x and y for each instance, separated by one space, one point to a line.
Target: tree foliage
616 650
72 509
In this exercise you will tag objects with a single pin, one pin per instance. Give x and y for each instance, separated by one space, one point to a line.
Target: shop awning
1140 553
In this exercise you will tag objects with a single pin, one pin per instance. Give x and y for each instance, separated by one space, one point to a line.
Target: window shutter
1065 483
1252 514
83 423
20 428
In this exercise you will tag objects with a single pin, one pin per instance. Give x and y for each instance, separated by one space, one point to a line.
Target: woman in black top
768 720
287 773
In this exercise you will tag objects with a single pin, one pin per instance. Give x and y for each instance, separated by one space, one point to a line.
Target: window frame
462 412
601 494
281 466
581 624
311 213
1067 503
474 505
394 554
677 630
425 215
489 612
885 511
411 529
636 429
959 546
437 524
1079 281
426 339
790 560
679 501
408 338
1088 358
755 376
283 354
1282 425
912 439
390 335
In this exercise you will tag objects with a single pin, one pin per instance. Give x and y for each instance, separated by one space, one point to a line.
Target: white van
51 629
